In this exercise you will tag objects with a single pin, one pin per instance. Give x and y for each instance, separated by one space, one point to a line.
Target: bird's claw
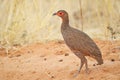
87 71
76 74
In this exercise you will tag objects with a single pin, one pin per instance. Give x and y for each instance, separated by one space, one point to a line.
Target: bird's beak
54 14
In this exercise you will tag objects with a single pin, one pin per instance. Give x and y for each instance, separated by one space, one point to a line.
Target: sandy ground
54 61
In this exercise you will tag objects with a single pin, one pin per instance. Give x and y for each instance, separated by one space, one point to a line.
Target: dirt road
54 61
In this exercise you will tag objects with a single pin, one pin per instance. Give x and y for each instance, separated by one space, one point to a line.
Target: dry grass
27 21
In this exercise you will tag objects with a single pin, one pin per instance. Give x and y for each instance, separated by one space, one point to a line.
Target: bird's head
61 13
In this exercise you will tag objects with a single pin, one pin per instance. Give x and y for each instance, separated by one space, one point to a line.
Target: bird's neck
65 23
65 20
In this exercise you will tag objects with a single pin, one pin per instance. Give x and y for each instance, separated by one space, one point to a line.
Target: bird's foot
87 71
76 74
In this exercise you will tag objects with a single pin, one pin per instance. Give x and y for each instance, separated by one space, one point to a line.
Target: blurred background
29 21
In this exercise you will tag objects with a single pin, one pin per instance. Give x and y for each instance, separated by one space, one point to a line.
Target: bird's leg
83 61
86 65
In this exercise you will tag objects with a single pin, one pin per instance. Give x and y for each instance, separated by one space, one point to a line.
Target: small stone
28 51
21 74
34 72
60 60
52 77
94 65
18 55
66 54
45 59
48 72
112 60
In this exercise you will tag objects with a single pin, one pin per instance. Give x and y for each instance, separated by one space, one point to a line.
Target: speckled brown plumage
79 42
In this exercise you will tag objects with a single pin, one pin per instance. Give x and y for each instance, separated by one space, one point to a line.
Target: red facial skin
60 14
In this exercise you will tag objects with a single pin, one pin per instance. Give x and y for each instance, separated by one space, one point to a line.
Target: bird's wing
84 43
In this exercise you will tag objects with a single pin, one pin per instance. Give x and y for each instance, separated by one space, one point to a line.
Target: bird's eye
60 13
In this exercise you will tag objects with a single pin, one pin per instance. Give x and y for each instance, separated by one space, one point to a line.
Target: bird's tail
99 60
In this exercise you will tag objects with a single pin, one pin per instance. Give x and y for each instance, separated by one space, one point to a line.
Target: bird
79 42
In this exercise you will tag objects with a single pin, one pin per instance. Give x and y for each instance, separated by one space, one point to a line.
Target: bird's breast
69 38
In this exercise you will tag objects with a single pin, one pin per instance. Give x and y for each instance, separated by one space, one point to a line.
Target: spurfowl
79 42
